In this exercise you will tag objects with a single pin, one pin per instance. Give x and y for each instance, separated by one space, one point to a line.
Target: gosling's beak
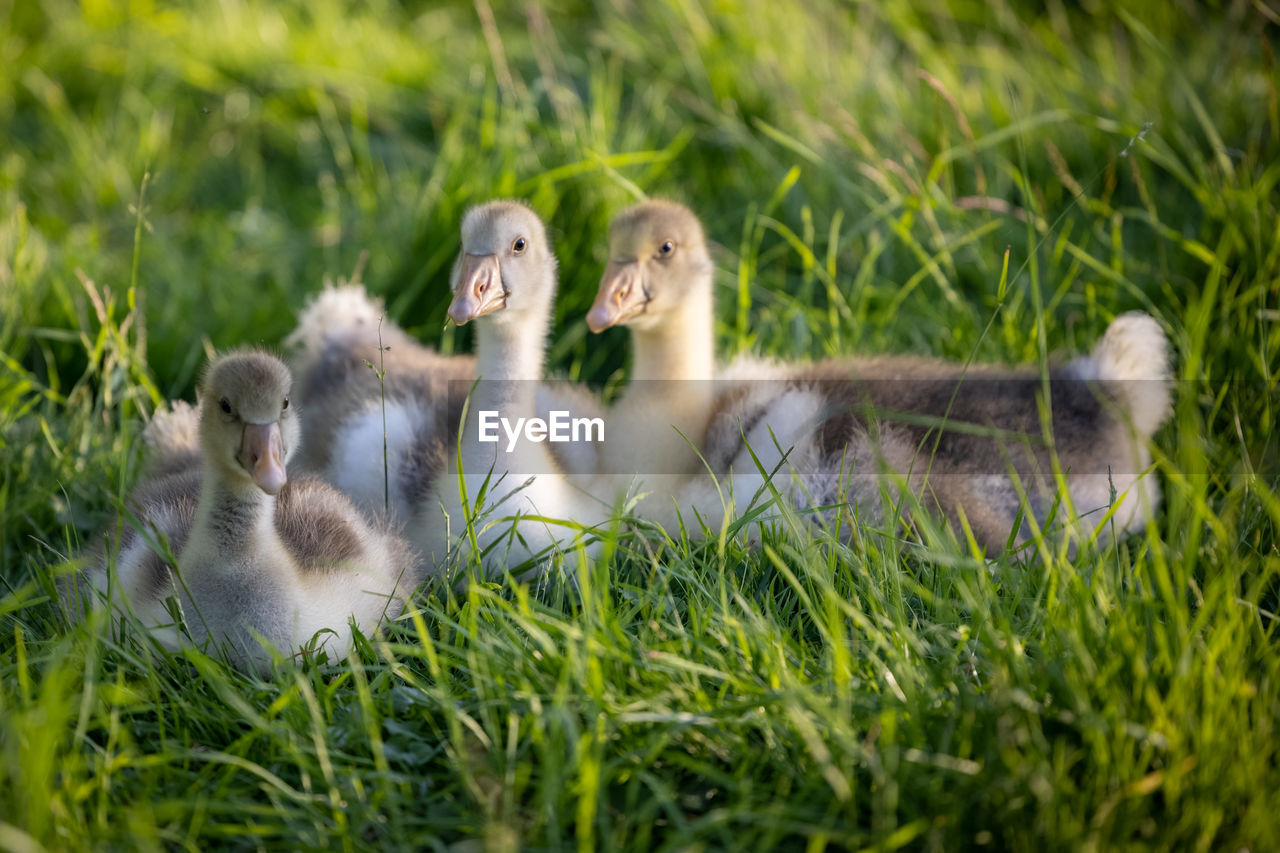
621 296
262 455
480 289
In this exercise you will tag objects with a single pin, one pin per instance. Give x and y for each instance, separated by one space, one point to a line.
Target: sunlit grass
959 179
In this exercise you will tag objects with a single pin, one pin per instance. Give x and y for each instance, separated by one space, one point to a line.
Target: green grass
174 180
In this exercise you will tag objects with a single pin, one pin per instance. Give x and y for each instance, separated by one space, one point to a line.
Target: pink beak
619 298
480 289
262 455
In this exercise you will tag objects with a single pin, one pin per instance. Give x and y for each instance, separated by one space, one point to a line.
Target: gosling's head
505 268
248 430
658 261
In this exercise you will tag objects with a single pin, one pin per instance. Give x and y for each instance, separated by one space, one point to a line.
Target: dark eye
226 405
666 249
519 245
286 404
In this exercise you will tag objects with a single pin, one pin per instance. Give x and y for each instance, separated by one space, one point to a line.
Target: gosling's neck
682 346
669 397
509 361
510 350
235 517
510 358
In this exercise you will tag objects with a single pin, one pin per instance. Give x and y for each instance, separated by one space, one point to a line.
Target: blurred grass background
178 177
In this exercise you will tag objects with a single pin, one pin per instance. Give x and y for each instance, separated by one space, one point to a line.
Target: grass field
172 181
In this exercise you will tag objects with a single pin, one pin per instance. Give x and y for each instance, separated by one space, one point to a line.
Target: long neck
670 395
682 346
234 518
512 350
509 360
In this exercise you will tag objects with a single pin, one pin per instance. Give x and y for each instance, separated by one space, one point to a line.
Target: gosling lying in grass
851 434
405 423
263 561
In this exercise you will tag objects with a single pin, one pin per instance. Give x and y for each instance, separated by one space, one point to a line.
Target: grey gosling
263 559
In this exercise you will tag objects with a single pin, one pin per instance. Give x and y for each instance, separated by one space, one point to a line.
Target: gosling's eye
519 245
666 249
226 405
285 405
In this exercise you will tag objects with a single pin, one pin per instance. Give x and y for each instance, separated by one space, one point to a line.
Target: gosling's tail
334 311
173 439
1133 358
